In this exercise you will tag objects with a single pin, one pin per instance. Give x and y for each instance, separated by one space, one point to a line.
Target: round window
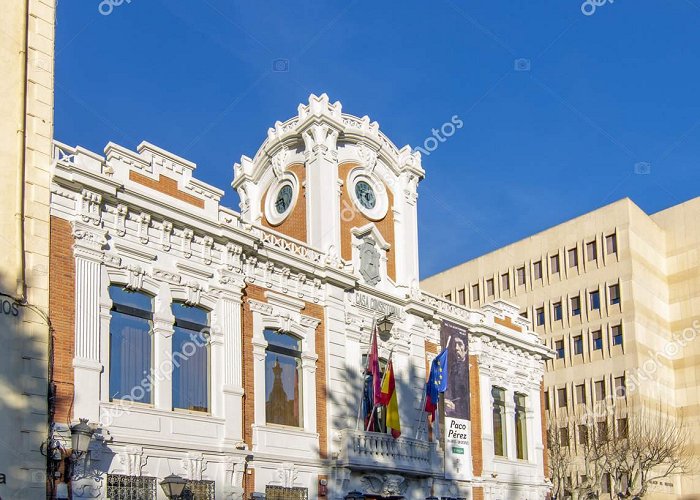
365 194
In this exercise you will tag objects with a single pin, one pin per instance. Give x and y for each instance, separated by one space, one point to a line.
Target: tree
560 459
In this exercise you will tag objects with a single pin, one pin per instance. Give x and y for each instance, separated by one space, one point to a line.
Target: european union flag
437 382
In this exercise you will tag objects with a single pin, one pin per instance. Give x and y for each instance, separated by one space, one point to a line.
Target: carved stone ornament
287 474
194 465
369 261
386 484
132 460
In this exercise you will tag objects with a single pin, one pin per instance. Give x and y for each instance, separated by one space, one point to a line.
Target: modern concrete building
26 132
227 347
616 293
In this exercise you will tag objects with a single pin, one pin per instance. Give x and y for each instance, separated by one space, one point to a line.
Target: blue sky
556 137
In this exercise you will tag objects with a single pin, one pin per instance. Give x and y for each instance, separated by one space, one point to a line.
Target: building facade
228 347
26 133
615 294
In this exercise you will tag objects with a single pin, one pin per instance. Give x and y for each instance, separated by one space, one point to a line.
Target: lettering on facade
374 304
2 479
9 307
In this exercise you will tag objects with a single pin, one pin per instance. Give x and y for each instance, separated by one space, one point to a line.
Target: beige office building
616 292
26 132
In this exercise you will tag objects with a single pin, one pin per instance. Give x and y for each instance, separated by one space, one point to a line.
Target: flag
373 368
388 397
437 382
373 382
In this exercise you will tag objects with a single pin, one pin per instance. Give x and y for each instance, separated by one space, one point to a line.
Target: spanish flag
389 399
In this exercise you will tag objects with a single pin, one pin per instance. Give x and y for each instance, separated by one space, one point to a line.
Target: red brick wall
294 225
385 226
478 493
475 400
166 185
314 310
62 314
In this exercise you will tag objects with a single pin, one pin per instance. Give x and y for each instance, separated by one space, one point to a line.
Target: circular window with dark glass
284 199
365 194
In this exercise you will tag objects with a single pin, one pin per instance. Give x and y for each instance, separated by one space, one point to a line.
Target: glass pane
132 299
282 389
190 370
191 314
274 337
130 358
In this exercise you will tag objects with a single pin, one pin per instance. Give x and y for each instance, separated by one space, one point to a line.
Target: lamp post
173 486
80 435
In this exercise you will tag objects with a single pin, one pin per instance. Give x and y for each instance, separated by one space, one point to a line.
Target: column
229 314
87 367
510 425
163 328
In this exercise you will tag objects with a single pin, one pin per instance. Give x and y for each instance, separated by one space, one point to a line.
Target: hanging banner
457 430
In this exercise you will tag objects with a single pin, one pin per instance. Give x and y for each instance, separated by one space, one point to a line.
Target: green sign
458 451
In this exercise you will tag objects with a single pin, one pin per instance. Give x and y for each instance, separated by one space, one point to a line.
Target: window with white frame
191 358
130 345
283 379
498 395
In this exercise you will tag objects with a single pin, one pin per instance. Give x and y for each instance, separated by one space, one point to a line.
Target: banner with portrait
457 404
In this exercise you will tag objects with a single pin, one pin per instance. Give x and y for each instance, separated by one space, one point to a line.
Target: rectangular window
537 270
554 264
489 288
622 428
130 345
597 340
564 436
499 422
546 400
561 398
524 314
520 426
557 311
521 275
573 257
540 316
448 296
581 394
505 282
616 331
190 347
620 387
575 305
582 434
611 244
605 483
283 390
603 434
460 297
595 300
475 292
591 253
578 344
600 390
559 347
614 294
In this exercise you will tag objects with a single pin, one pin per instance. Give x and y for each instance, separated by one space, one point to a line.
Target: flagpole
364 373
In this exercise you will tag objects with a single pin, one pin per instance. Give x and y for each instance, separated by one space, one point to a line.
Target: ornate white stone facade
182 245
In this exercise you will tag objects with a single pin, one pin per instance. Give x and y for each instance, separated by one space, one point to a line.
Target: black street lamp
173 486
81 435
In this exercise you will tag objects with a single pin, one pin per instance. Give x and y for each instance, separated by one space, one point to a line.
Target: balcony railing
376 451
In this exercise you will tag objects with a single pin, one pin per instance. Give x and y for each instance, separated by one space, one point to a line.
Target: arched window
190 358
130 345
283 386
498 397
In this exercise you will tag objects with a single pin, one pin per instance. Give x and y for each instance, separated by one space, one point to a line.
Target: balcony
376 451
